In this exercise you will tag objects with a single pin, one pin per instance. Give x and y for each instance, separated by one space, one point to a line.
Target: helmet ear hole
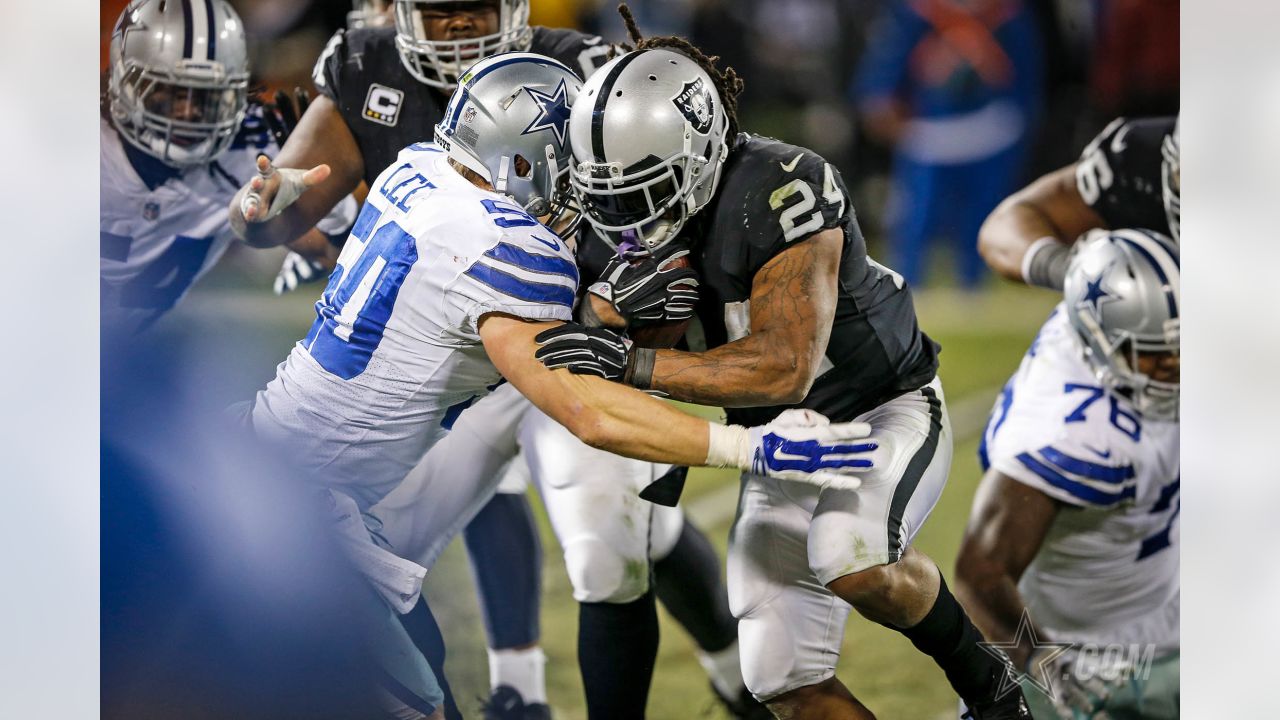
523 167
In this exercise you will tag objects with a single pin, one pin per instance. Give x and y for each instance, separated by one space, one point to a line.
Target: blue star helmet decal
1095 294
554 112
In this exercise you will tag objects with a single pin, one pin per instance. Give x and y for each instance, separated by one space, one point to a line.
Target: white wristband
728 446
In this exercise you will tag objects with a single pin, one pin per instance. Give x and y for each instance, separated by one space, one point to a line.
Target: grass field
239 335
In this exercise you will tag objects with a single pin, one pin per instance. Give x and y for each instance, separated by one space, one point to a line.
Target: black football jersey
1118 174
773 194
387 108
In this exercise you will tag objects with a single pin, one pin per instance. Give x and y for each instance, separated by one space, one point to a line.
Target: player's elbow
788 379
592 426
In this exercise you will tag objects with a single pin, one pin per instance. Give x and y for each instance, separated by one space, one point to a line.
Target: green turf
983 337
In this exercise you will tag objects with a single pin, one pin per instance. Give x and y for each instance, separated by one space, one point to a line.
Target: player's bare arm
1050 207
1006 529
602 414
793 301
321 142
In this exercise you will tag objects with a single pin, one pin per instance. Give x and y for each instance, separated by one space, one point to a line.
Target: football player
1128 177
378 89
178 138
437 295
1073 534
794 314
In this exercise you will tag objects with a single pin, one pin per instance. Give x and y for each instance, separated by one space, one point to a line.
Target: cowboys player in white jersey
378 89
1073 536
177 141
437 296
1129 176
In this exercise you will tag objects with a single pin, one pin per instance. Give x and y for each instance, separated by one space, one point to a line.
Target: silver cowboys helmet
1123 299
508 123
1171 179
649 142
439 63
179 78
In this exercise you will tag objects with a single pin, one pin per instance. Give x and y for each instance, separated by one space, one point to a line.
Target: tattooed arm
793 301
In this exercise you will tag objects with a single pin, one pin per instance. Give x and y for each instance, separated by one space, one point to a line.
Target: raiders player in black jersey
381 89
794 314
1128 177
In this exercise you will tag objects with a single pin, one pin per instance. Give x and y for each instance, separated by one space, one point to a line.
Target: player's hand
804 445
1076 694
297 270
585 351
274 189
283 113
654 289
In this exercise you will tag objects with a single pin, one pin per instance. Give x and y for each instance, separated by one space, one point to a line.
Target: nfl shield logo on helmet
695 103
151 211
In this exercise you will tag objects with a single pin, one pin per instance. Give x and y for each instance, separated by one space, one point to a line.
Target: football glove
651 290
297 270
585 351
805 446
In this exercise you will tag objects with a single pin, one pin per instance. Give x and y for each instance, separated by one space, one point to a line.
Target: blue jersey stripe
521 289
113 247
533 262
1084 468
1080 490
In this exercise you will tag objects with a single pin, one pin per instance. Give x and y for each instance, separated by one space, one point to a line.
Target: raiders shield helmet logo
695 103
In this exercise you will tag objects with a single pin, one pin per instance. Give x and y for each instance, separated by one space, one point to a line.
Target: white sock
725 670
522 670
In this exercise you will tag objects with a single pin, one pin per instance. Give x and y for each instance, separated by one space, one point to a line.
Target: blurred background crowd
933 110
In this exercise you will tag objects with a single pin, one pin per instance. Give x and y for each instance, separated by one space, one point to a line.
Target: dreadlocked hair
727 82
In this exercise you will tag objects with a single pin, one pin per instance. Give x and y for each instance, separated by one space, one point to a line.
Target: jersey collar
151 170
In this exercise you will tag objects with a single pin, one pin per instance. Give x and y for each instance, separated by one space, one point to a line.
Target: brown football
661 335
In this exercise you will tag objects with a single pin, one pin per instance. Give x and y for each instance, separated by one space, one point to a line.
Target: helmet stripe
210 29
1169 296
463 91
597 113
188 34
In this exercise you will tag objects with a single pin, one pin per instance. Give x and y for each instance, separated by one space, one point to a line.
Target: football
666 334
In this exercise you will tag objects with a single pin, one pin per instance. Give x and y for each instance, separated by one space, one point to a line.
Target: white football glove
297 270
803 445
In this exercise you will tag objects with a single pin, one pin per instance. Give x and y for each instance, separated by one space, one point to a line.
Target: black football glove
283 113
585 351
644 292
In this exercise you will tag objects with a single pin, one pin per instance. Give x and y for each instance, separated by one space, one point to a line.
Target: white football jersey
394 353
1108 569
158 235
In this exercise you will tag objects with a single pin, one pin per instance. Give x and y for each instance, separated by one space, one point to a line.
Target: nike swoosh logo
549 243
1117 143
785 457
788 167
1104 455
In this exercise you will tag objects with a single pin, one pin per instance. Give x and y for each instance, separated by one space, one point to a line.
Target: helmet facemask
184 118
638 212
1116 361
439 63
